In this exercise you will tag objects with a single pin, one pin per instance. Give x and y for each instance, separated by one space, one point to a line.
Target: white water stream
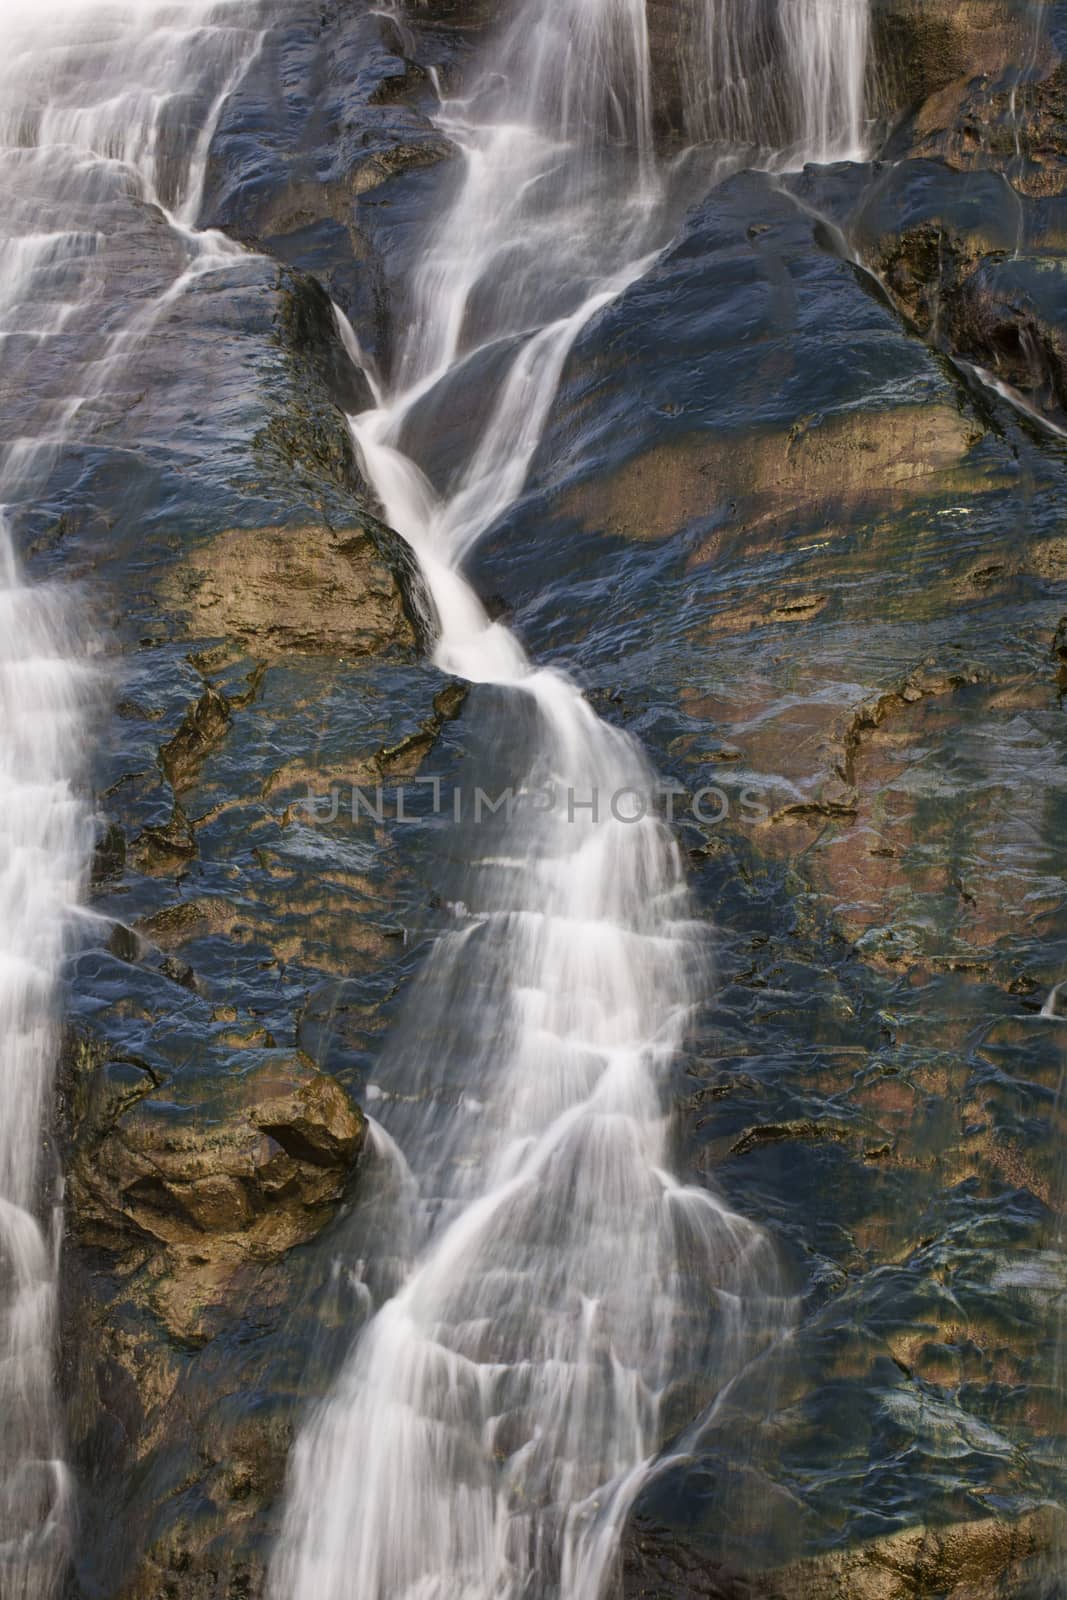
495 1421
102 107
785 77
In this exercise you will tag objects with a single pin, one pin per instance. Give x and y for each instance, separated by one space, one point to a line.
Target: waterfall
491 1428
781 76
101 106
825 48
44 840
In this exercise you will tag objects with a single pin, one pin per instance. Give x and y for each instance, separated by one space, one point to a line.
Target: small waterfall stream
492 1426
44 843
784 78
100 105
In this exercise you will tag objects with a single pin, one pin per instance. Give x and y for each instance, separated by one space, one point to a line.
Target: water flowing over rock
108 114
45 840
541 527
491 1428
785 79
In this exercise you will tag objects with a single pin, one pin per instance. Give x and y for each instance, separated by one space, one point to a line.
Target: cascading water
101 105
785 77
44 842
825 53
496 1419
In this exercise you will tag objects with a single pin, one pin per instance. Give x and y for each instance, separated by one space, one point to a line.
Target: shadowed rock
985 1559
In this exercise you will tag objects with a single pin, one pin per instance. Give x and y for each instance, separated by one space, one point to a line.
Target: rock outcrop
989 1557
189 1181
817 518
963 230
921 48
273 591
271 632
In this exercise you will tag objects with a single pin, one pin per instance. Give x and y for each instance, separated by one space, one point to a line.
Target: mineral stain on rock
827 467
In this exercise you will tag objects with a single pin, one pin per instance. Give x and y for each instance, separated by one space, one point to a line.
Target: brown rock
203 726
976 1560
205 1181
313 589
844 461
983 1559
921 46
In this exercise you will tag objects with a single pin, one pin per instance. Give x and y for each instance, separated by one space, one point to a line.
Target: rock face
921 47
267 632
965 233
279 590
845 461
986 1557
837 570
952 251
666 29
816 519
193 1186
327 177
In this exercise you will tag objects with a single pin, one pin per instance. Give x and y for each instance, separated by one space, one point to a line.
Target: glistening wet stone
778 534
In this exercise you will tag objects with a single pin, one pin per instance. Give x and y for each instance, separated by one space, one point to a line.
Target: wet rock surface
921 50
966 232
842 548
988 1557
252 1166
264 637
326 155
837 568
